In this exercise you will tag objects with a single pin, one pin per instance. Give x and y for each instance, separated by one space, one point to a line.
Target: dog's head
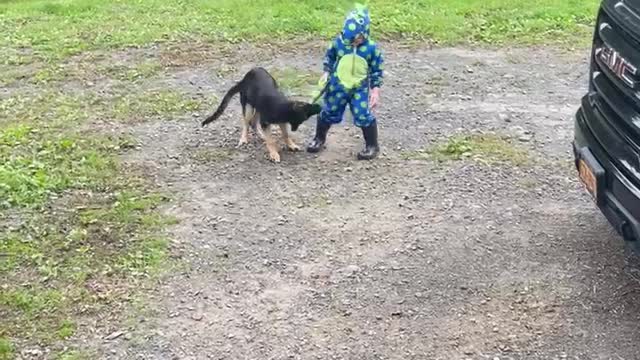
301 112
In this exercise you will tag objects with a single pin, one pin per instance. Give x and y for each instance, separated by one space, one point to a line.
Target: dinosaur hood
356 23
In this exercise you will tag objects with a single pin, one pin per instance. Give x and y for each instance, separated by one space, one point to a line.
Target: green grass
86 231
213 155
140 71
74 355
55 29
489 149
49 73
6 349
296 82
141 106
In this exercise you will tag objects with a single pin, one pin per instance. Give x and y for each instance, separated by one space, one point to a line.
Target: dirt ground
325 257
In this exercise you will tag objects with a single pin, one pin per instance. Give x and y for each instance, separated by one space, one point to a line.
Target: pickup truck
606 140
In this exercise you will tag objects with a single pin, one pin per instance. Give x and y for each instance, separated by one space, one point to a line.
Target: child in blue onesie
353 67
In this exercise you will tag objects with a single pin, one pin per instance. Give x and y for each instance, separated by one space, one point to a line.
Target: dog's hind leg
256 125
291 145
248 115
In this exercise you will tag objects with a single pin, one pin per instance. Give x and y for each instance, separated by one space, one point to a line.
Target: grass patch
55 29
34 165
74 355
162 103
139 71
213 155
6 349
490 149
85 231
54 72
295 82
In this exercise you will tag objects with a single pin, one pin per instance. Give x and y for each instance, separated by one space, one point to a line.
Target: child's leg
335 102
359 104
364 119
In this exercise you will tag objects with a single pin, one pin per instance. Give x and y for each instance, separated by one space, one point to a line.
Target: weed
137 107
66 329
483 148
6 349
213 155
133 73
74 355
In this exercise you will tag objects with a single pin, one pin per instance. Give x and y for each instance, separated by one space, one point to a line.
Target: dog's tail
225 102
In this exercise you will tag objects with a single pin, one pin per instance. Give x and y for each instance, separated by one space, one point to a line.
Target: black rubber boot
322 128
371 149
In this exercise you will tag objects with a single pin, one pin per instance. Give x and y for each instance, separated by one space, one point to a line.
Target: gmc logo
620 66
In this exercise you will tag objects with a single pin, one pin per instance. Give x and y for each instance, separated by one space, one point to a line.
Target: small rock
33 352
197 316
114 335
351 270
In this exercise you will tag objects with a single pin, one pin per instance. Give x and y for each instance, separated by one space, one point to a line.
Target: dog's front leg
272 148
291 145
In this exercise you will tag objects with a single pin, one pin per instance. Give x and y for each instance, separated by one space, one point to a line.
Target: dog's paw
243 141
274 157
291 146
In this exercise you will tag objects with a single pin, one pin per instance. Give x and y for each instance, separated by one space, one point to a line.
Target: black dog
261 99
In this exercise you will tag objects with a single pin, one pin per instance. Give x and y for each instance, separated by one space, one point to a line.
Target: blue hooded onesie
352 71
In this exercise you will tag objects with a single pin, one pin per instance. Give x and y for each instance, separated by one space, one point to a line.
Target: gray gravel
325 257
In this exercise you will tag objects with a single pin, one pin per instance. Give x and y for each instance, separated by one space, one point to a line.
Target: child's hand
374 97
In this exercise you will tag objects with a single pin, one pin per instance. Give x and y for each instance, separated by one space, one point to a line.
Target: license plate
587 178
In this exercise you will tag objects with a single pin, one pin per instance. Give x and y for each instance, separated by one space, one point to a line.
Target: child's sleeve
377 68
330 56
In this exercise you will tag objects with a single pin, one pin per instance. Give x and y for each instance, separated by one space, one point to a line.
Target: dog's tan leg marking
272 147
257 126
248 117
292 146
